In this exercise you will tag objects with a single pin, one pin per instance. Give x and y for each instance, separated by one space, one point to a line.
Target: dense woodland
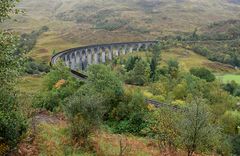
200 114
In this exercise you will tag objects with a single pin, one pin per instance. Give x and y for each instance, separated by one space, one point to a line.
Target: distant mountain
234 1
115 20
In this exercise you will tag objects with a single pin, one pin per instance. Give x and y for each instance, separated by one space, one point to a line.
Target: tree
140 74
131 61
7 7
197 132
156 52
164 127
231 87
173 67
203 73
12 123
106 82
231 121
129 115
85 110
237 91
236 145
195 35
153 67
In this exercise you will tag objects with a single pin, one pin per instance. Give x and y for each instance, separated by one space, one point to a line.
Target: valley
193 67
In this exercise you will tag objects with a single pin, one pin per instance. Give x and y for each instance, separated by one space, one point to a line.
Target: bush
201 50
163 126
173 68
231 87
60 85
12 127
236 145
203 73
134 125
230 122
111 25
129 115
12 123
104 81
237 92
33 67
140 74
131 61
48 100
85 110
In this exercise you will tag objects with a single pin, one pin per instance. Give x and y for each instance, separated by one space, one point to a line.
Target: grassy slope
47 44
189 59
53 139
229 77
30 84
166 17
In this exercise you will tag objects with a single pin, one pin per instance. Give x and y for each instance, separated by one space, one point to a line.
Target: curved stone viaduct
80 58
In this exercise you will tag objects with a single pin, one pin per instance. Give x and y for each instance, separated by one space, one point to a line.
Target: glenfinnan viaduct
80 58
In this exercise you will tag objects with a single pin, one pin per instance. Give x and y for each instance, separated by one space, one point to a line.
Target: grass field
30 84
189 59
229 77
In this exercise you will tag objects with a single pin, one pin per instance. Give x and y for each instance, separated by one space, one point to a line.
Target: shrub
33 67
201 50
129 115
111 25
103 80
60 85
48 100
173 68
236 145
131 61
85 110
203 73
163 126
230 122
237 92
140 74
231 87
12 123
135 124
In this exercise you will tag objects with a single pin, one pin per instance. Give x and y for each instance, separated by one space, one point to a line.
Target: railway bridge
80 58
